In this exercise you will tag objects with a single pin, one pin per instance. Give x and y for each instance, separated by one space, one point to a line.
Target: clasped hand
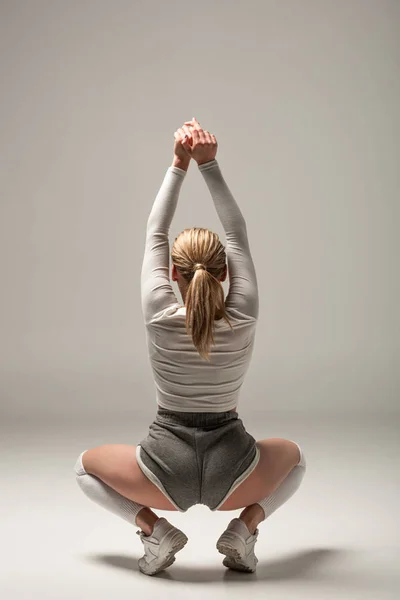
191 141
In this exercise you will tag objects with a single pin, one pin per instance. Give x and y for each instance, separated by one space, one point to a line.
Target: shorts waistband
195 419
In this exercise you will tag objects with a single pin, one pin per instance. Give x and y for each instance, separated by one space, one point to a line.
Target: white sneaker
160 546
237 543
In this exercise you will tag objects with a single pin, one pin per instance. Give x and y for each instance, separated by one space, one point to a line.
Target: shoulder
166 313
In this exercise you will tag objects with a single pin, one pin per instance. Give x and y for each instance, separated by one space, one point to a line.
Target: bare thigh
277 458
116 465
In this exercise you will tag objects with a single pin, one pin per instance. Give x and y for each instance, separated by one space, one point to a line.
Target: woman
197 450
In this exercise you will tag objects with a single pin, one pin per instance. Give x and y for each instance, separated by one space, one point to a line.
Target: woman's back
184 380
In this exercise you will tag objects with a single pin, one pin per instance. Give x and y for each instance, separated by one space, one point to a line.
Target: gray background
303 97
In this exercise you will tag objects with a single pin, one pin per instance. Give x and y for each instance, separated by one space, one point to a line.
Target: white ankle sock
102 494
287 488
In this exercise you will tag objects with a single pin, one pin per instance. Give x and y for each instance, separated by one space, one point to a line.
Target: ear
174 273
224 274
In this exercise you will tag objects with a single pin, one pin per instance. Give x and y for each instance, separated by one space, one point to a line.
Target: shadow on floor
304 564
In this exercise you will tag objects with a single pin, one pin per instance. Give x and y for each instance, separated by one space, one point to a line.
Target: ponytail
204 294
204 299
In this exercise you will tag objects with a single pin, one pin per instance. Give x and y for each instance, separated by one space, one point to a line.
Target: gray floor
337 538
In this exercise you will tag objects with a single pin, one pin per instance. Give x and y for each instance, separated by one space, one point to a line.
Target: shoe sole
227 545
176 540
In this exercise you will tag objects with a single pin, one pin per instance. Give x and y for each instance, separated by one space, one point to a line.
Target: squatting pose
197 450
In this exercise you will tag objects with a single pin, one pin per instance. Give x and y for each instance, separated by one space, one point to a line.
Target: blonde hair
200 258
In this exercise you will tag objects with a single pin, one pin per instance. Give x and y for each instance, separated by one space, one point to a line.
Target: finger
178 136
207 137
195 136
195 124
184 139
186 145
181 133
188 131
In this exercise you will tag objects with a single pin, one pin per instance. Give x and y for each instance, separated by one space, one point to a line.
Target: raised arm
243 289
156 289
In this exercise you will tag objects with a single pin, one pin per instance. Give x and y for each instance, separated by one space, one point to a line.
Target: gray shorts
197 458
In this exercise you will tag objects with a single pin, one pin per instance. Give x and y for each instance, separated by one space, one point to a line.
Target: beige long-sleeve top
184 380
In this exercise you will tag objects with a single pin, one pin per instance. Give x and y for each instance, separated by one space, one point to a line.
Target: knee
79 467
298 454
287 450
